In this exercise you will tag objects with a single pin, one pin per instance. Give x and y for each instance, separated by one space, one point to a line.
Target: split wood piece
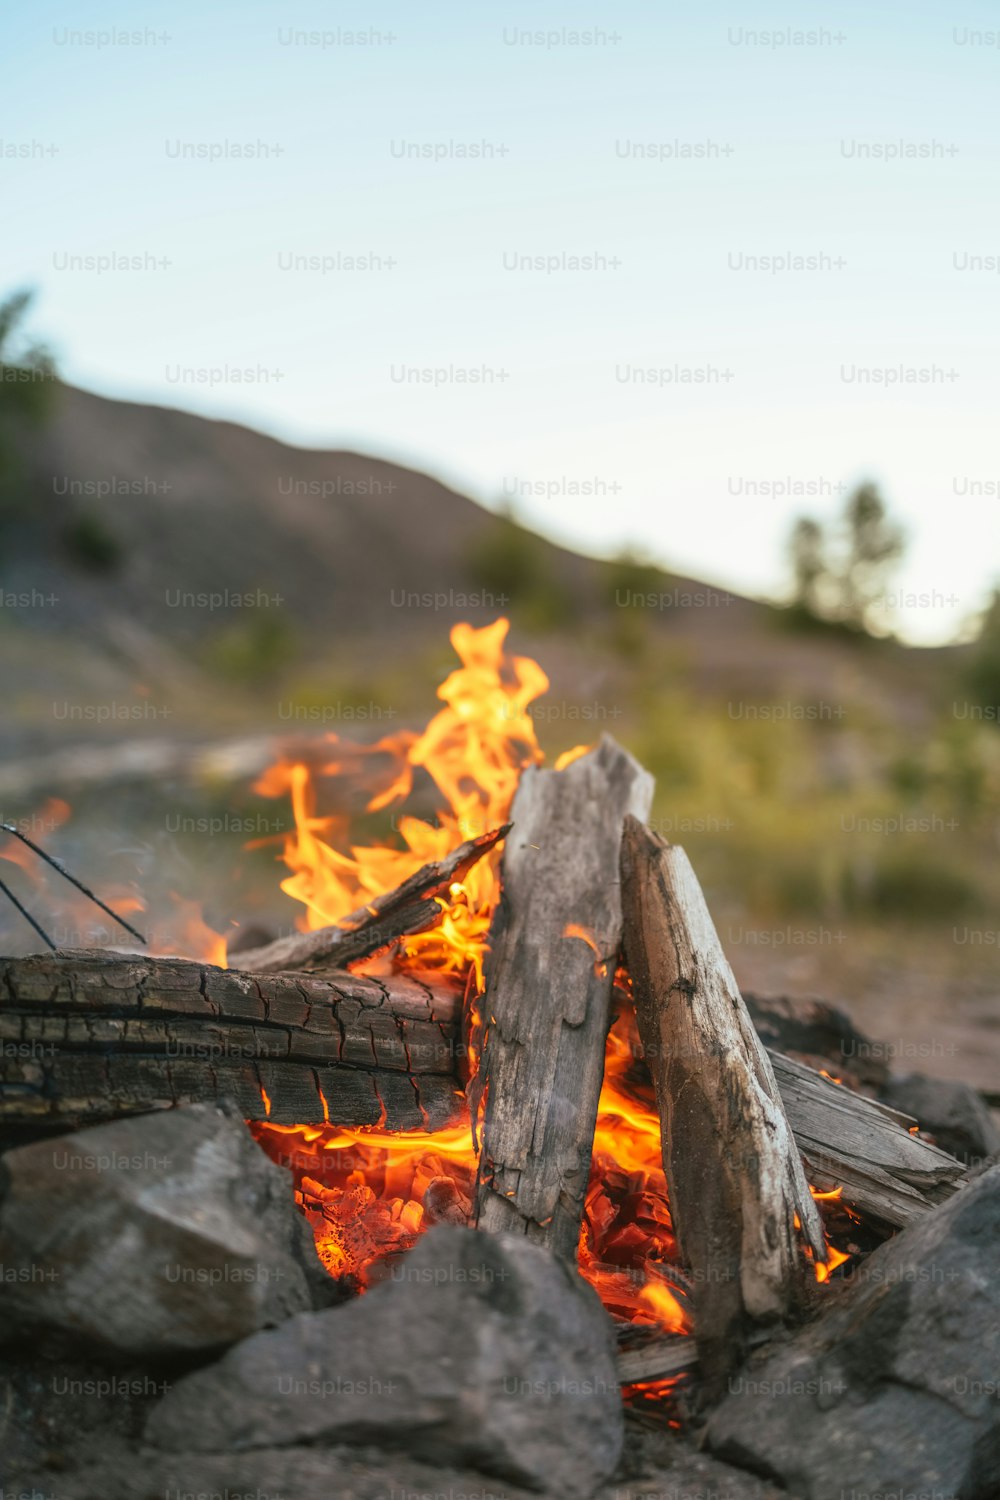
887 1175
864 1147
549 975
89 1035
657 1358
738 1194
412 907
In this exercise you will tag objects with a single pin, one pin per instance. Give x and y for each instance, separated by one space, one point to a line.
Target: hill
201 563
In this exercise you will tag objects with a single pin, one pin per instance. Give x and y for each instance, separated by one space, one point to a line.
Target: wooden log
662 1357
549 977
886 1174
87 1036
739 1199
411 907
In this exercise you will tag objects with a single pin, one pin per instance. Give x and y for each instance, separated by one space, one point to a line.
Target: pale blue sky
673 463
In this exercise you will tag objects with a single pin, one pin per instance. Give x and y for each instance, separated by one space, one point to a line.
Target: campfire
368 1192
514 1015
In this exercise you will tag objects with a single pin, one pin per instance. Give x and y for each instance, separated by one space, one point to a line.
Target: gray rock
277 1474
363 1474
482 1351
660 1465
952 1112
896 1387
154 1235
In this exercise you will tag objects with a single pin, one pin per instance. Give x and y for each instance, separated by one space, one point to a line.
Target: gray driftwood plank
864 1147
739 1198
548 993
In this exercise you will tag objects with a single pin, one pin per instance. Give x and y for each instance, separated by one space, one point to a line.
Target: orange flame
574 930
474 750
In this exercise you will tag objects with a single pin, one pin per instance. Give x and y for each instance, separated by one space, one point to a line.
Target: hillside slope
184 554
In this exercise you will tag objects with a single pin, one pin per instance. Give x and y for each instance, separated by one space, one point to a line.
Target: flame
190 934
665 1307
474 750
627 1237
569 756
574 930
834 1259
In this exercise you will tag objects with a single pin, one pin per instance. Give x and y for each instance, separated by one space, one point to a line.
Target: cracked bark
548 994
89 1036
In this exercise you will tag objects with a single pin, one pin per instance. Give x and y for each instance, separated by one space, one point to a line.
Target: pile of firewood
293 1036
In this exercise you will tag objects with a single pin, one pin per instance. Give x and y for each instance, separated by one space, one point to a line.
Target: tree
808 564
983 672
27 376
874 547
841 573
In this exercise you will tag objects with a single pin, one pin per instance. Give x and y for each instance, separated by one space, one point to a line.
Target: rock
821 1036
58 1413
155 1235
363 1474
277 1474
953 1113
896 1387
482 1351
658 1464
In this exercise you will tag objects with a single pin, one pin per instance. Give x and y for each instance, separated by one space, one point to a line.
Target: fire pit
518 1019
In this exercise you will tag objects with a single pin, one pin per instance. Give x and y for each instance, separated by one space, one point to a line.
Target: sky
665 277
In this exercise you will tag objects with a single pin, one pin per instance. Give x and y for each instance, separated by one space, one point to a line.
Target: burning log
885 1172
549 977
411 907
89 1036
738 1194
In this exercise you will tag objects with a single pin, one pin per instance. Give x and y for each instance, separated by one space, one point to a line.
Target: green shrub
92 544
253 650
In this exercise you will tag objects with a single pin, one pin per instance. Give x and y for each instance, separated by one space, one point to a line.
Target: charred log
885 1172
88 1036
821 1036
412 907
661 1357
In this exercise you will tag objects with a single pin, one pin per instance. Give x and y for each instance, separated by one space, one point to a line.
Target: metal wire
27 915
62 870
